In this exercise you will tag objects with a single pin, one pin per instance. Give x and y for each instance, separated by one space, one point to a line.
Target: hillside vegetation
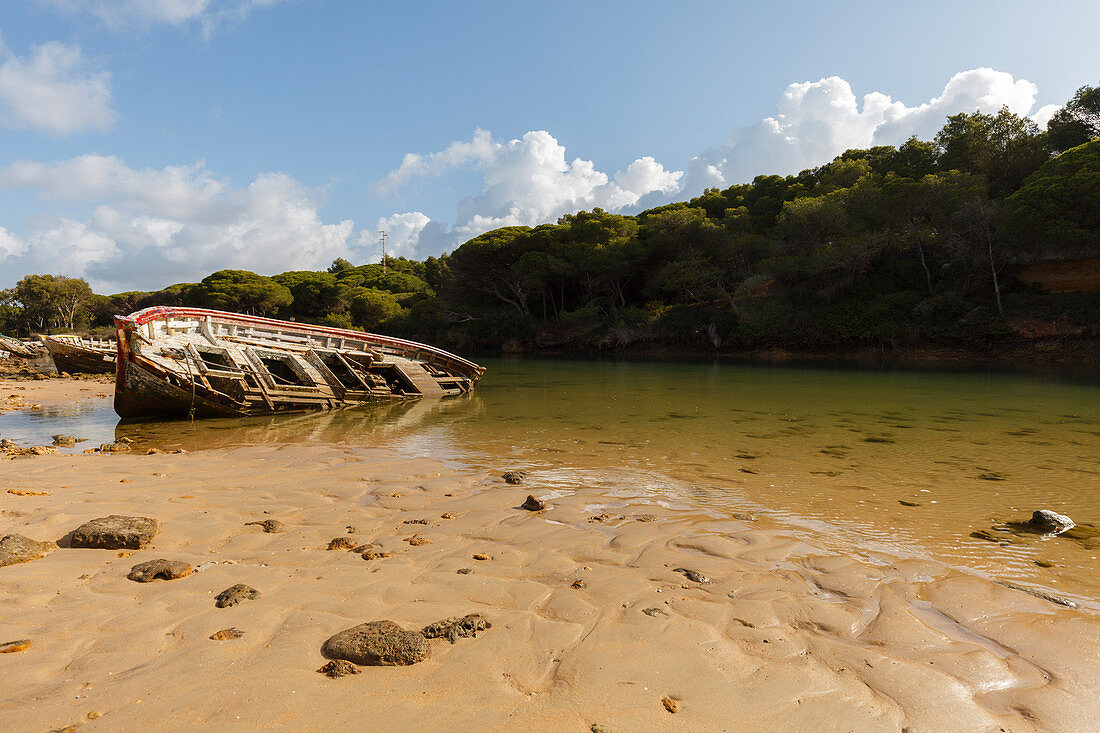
949 242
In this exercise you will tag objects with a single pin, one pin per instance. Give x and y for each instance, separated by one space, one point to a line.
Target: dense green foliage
881 247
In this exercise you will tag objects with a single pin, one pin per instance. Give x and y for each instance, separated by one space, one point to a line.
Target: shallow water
830 451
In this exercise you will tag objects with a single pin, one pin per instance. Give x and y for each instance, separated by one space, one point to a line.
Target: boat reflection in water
368 424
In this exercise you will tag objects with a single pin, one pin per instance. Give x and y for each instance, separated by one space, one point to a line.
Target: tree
53 301
978 219
483 267
1077 122
242 291
371 308
314 293
1058 207
1005 148
339 265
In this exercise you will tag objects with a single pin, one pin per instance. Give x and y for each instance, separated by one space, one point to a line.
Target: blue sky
144 142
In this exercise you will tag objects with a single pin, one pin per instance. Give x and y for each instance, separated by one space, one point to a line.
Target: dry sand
785 636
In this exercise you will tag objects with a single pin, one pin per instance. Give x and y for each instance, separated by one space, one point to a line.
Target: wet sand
789 633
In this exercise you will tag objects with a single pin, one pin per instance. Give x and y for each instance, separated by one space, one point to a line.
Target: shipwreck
194 362
78 354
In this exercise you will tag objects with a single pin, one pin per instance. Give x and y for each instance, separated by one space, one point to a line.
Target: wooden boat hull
78 355
17 348
194 362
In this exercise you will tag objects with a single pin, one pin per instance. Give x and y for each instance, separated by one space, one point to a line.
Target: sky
150 142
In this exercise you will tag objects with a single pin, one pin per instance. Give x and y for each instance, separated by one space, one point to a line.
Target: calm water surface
831 451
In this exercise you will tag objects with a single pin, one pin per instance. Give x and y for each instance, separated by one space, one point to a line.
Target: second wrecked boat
180 362
74 354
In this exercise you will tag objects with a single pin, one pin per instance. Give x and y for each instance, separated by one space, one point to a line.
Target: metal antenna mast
382 236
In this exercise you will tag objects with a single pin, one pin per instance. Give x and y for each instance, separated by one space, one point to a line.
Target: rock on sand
377 643
159 569
116 532
15 548
235 594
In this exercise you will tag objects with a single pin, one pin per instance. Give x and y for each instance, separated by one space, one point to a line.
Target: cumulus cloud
151 227
817 121
525 181
54 90
124 14
528 181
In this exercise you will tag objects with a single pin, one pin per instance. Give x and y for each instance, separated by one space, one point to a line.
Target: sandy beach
606 613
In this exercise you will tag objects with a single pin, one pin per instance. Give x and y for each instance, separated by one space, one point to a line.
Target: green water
830 452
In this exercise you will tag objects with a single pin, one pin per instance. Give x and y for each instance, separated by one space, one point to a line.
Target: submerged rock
514 477
456 626
377 643
15 548
159 569
338 668
64 441
116 532
235 594
532 504
270 526
1050 521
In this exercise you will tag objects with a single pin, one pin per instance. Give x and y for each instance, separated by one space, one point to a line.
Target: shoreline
786 635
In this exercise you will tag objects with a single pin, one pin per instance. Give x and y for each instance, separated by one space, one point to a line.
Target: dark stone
514 477
338 668
654 612
116 532
415 521
161 569
15 548
377 643
464 571
532 504
578 584
645 517
234 595
341 543
992 476
270 526
227 634
456 626
903 502
692 575
1053 522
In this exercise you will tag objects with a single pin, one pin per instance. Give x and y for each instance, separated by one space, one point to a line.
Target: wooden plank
416 375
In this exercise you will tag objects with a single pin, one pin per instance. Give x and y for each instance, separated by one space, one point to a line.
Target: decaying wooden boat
180 362
18 348
77 354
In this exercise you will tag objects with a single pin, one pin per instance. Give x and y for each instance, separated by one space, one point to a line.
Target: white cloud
153 227
402 235
526 181
125 14
817 121
54 90
1043 114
